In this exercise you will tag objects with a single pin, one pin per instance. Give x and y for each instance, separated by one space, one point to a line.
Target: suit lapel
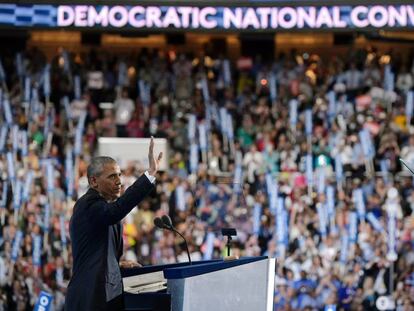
117 231
121 240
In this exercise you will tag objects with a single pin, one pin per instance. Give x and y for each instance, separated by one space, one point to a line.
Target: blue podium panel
127 272
203 267
241 285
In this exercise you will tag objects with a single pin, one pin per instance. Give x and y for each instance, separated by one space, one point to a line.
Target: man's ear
93 182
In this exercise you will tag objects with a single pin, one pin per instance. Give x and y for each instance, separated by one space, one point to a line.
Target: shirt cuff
150 177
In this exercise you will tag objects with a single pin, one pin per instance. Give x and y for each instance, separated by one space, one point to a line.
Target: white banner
125 150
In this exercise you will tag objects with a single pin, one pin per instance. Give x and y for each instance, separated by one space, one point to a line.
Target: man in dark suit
96 234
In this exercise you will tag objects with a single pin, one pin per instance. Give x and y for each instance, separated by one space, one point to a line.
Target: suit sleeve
106 213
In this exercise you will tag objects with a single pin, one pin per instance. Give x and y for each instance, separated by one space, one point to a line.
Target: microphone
406 165
165 223
159 223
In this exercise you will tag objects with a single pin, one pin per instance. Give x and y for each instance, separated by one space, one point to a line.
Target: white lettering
95 18
132 17
250 19
185 12
337 18
232 18
273 18
118 16
65 16
195 18
264 17
410 12
324 17
204 22
306 16
399 16
171 18
153 17
355 16
81 15
186 17
287 17
374 13
44 301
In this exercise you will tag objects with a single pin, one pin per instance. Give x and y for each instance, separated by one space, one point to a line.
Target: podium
241 285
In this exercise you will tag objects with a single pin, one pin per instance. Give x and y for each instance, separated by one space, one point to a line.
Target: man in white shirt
124 108
253 161
404 80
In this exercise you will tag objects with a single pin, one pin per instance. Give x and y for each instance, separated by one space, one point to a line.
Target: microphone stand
185 242
228 244
165 223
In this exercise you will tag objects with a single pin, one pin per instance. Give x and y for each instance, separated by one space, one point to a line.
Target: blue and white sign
27 186
16 245
7 111
392 238
17 194
344 248
353 227
3 138
339 170
77 87
323 219
358 199
293 109
180 198
202 136
10 166
208 17
37 250
208 253
375 223
331 105
257 214
44 302
238 179
191 127
226 72
193 158
46 219
272 192
309 168
273 87
69 172
308 122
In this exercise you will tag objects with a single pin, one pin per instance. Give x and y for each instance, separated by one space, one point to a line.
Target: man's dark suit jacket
95 231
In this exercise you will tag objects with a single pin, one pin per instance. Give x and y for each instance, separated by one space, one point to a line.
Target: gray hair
96 166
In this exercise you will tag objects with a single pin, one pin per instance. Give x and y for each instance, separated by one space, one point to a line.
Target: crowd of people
299 154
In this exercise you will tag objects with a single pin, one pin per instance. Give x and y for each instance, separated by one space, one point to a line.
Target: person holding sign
96 234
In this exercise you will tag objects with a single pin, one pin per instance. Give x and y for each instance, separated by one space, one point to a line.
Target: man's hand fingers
129 264
160 156
151 147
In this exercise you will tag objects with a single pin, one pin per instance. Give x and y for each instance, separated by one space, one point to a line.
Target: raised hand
124 264
154 163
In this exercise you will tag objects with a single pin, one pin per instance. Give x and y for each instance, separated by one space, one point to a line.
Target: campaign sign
44 302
